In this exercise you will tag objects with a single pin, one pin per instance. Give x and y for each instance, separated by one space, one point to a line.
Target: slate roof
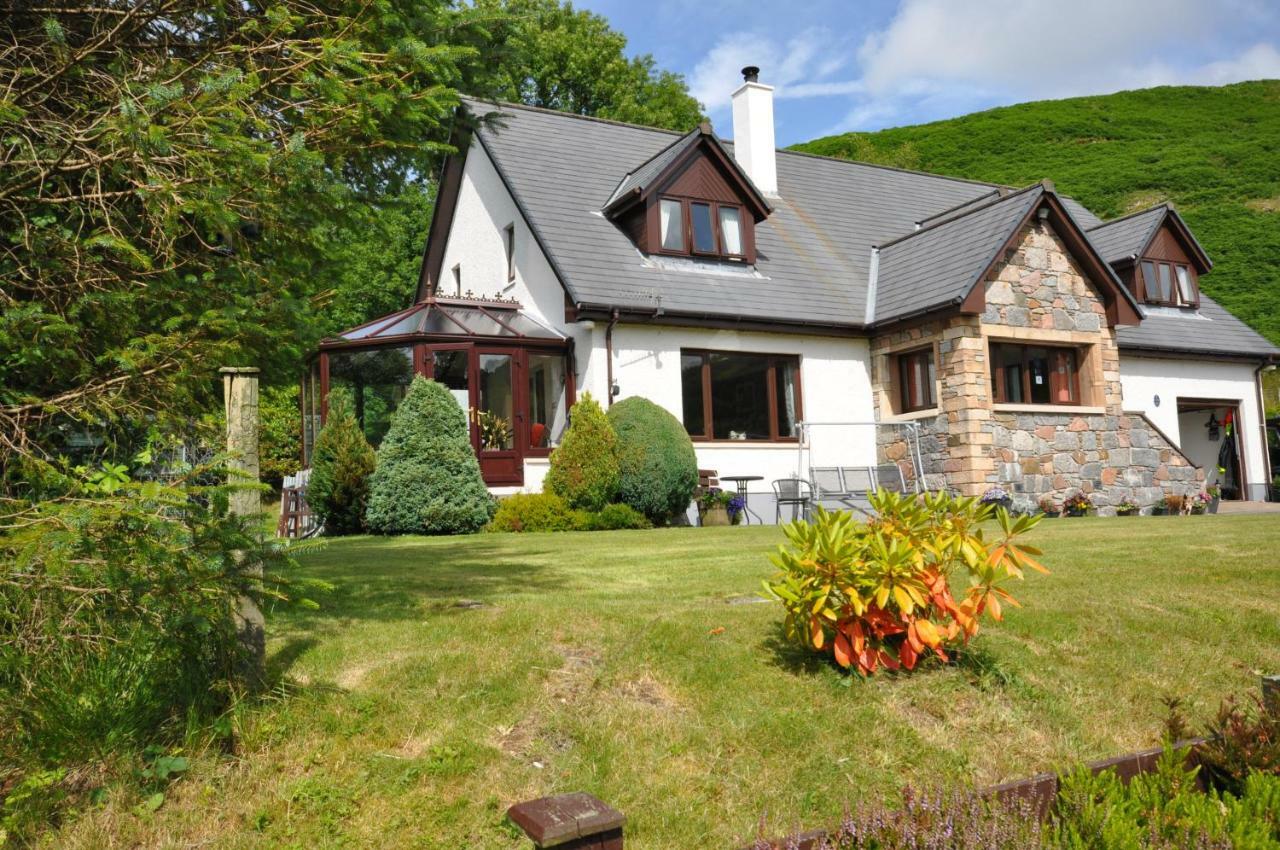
940 263
814 251
641 177
1121 238
1210 330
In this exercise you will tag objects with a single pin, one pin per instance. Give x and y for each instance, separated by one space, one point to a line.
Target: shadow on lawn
786 655
398 580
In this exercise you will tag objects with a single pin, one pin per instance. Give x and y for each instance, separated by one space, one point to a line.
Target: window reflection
377 380
546 399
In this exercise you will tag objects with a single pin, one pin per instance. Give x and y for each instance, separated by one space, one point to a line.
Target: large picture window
916 379
739 396
1034 374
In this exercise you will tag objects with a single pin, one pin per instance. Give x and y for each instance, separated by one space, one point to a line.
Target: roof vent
753 139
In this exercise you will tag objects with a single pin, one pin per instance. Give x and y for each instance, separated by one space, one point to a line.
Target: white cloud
936 58
804 60
1048 48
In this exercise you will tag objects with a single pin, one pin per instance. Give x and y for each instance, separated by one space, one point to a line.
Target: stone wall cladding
1112 459
1036 293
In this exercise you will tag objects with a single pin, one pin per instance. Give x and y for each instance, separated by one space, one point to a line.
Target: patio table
741 482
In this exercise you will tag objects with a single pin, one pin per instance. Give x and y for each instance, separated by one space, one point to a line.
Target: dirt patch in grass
1266 205
649 691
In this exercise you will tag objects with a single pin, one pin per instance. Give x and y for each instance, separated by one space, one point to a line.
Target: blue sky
868 64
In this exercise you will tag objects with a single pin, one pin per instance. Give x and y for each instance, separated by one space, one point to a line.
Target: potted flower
719 507
997 496
1049 507
1198 503
1127 508
1215 497
1077 505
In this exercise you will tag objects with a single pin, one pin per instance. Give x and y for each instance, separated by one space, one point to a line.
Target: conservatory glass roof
462 318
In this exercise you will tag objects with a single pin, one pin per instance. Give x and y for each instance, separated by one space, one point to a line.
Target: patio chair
889 477
793 492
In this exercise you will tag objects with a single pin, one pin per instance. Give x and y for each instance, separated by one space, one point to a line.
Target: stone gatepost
240 398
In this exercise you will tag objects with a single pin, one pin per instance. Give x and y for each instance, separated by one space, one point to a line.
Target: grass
1209 150
615 663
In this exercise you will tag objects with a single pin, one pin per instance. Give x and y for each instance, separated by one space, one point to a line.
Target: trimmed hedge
658 470
617 516
427 480
341 464
535 512
584 469
548 512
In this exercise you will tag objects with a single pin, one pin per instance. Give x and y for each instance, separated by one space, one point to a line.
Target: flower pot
1213 504
714 515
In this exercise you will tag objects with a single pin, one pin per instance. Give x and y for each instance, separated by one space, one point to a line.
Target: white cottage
799 313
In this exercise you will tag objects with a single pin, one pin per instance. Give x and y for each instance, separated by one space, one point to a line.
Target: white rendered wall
475 241
1143 378
834 382
834 374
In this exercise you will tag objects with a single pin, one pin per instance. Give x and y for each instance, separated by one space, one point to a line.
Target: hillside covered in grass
1213 152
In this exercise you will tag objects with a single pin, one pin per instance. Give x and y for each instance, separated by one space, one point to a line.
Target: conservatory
511 373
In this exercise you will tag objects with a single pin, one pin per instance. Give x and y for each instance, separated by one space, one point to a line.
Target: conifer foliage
584 469
341 465
427 479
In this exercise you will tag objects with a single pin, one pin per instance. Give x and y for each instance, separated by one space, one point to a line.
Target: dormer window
701 228
690 199
1169 284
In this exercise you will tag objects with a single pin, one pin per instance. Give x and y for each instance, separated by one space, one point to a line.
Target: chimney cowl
751 74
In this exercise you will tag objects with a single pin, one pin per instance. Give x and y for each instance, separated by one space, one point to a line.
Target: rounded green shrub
427 479
616 516
658 470
584 469
536 512
341 464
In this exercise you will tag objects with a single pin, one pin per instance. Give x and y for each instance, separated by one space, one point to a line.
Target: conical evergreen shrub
584 469
341 464
427 480
658 467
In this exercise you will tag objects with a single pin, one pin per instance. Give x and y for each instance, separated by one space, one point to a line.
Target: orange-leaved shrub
913 579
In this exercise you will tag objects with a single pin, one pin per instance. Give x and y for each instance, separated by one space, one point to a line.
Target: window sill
1047 408
744 444
926 413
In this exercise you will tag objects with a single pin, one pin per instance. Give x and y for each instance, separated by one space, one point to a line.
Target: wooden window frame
686 208
509 245
1148 297
708 415
906 380
997 373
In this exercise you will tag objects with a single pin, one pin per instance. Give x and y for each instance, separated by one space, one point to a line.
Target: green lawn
614 663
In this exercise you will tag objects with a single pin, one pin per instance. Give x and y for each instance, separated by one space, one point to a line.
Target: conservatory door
498 417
